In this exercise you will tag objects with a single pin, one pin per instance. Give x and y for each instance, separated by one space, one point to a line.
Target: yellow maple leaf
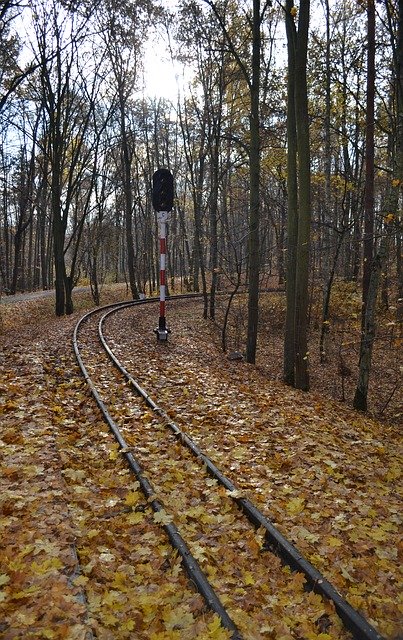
47 566
393 473
111 597
216 631
295 505
4 579
334 542
74 474
119 581
110 620
199 552
26 550
378 534
162 517
136 517
130 625
178 619
235 493
26 592
114 452
132 498
307 535
248 578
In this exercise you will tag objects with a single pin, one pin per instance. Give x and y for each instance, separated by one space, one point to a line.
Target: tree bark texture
254 174
369 156
292 199
304 202
367 343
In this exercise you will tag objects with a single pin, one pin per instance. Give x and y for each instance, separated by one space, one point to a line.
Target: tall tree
391 222
254 177
250 70
369 199
299 185
124 30
304 201
398 165
292 201
67 110
195 150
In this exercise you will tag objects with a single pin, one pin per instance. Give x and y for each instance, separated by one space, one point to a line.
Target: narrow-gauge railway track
205 505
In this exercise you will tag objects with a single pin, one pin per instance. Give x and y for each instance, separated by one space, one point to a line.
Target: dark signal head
163 190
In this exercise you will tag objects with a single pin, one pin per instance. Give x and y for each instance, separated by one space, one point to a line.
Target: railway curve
148 442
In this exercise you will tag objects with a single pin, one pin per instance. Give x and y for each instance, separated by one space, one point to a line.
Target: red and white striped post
162 331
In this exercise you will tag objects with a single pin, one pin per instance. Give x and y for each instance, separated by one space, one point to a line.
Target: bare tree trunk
292 196
369 157
399 143
254 174
367 343
328 269
391 223
326 298
304 202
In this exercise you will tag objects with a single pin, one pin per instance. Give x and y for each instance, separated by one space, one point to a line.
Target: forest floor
327 476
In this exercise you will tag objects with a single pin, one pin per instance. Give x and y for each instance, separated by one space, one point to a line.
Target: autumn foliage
82 552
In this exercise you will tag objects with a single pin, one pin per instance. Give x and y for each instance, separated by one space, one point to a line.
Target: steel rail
275 541
190 563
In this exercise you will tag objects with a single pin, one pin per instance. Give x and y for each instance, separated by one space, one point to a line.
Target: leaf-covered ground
327 476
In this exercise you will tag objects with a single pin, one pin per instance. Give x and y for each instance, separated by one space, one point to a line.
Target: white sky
163 78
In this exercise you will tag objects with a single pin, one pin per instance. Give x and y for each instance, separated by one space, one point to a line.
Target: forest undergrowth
336 377
326 475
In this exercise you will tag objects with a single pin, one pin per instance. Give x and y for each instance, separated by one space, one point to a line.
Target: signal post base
162 331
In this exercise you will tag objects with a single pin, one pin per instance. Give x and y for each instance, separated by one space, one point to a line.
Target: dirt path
35 295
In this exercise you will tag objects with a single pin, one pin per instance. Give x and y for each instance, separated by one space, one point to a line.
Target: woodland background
286 150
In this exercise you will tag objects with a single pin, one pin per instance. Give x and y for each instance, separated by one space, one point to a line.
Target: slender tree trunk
254 173
60 269
94 276
213 230
59 228
128 199
390 214
369 157
42 227
280 246
399 146
5 266
326 300
304 202
199 257
292 197
328 269
367 343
